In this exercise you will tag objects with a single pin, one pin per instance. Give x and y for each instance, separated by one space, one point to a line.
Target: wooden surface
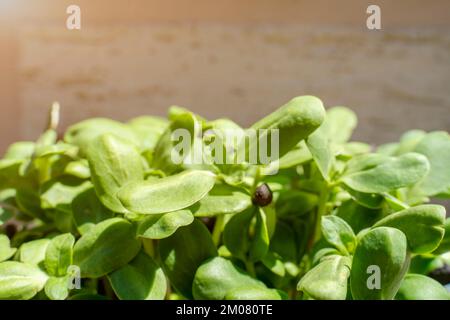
396 13
237 59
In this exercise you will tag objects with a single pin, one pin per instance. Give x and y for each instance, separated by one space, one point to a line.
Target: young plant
105 212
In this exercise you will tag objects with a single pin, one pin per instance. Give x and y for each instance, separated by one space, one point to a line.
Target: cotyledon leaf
327 280
423 226
341 122
159 226
379 264
338 233
141 279
222 199
113 163
436 147
20 281
420 287
57 288
336 129
396 173
107 246
182 253
236 233
167 194
294 121
88 210
33 252
83 133
59 254
6 251
217 277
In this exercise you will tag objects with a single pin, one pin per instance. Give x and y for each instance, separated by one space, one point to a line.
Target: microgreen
106 213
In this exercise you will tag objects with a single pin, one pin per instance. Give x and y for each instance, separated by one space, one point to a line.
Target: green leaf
436 147
295 203
78 169
217 277
6 252
57 288
106 247
222 199
272 262
29 202
341 122
182 253
113 163
390 175
163 225
33 252
444 246
260 240
244 293
299 155
236 233
20 281
295 121
88 210
320 147
409 141
84 133
148 129
381 249
20 150
423 226
284 241
365 162
5 215
338 233
9 174
61 192
141 279
183 190
167 143
368 200
58 256
357 216
420 287
327 280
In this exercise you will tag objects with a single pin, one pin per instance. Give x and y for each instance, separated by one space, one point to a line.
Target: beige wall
239 59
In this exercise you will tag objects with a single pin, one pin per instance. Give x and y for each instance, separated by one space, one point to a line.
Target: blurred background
230 58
